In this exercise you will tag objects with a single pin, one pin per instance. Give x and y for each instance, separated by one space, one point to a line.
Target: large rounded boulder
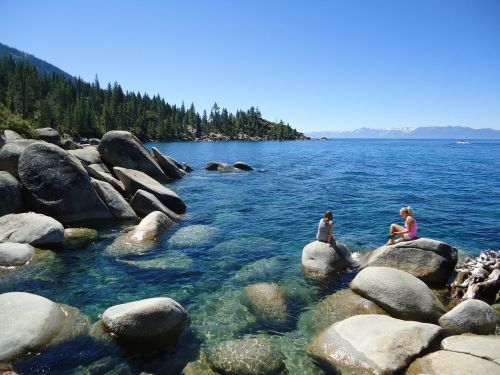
247 356
11 136
379 343
319 258
122 149
339 306
10 154
11 199
400 294
135 180
57 185
29 322
146 321
31 228
471 316
431 261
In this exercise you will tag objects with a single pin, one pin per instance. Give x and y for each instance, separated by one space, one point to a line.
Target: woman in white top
325 228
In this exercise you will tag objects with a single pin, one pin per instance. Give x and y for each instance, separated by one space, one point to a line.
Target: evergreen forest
29 99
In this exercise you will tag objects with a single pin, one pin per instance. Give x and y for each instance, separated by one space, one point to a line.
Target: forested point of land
29 99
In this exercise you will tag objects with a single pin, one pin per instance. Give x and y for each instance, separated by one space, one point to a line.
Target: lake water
242 228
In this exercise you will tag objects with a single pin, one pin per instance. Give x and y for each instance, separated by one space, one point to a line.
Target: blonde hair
406 210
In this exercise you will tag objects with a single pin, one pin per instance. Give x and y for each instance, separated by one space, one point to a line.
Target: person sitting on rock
408 232
325 228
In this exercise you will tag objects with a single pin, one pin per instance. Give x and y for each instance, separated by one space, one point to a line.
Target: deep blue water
247 227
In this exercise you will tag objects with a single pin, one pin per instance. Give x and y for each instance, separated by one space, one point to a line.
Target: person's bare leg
394 228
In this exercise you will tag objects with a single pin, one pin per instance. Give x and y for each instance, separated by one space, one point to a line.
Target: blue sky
319 65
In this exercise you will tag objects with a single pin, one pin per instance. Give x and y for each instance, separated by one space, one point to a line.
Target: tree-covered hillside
82 109
43 67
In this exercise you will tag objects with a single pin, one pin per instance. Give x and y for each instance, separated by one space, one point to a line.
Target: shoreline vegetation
75 108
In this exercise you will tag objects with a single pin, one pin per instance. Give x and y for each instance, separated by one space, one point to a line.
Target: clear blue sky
319 65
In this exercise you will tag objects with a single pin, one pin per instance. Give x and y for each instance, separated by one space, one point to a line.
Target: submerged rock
122 149
431 261
399 293
35 229
57 185
471 316
486 347
77 238
15 254
142 237
221 167
247 356
318 257
135 180
29 322
339 306
11 200
193 235
146 321
377 343
444 362
267 300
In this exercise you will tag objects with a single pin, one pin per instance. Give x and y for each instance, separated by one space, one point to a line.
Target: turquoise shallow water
242 228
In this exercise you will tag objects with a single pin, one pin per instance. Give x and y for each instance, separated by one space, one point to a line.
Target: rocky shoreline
389 321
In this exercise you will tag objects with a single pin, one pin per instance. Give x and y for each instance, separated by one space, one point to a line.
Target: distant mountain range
43 67
434 132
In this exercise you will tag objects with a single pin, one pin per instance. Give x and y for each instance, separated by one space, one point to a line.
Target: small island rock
243 166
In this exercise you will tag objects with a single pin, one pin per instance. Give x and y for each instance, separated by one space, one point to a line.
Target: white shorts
407 237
